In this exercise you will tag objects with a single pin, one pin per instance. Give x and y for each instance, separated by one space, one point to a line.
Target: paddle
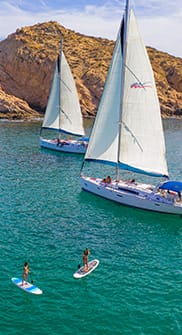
31 278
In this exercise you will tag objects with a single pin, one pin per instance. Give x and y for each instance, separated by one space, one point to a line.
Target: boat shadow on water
126 213
63 154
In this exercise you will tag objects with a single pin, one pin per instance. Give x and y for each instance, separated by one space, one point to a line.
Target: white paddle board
91 266
30 288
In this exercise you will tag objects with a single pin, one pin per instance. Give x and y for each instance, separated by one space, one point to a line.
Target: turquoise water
47 220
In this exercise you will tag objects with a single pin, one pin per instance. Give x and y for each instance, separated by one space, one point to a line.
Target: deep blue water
47 219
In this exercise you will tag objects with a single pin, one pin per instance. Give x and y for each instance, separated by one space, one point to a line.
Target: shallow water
48 220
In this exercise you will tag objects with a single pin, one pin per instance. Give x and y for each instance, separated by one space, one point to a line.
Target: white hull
133 194
71 146
92 265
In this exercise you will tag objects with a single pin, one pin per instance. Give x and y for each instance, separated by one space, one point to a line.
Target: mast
59 74
123 46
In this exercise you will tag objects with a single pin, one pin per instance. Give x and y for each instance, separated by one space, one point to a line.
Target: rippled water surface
46 219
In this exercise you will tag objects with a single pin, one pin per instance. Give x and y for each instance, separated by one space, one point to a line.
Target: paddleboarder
86 253
26 271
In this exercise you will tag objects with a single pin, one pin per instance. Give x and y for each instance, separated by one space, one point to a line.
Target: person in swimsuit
26 271
85 259
108 180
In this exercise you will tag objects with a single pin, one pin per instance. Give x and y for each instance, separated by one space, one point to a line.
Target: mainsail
128 128
63 111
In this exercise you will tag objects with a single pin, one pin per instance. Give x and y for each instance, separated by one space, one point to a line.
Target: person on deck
108 180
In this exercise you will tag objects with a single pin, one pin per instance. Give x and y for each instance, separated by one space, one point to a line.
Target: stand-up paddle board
27 287
91 266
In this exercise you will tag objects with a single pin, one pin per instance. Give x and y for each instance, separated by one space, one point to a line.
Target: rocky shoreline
27 60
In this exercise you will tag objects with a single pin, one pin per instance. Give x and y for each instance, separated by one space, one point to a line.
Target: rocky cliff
27 60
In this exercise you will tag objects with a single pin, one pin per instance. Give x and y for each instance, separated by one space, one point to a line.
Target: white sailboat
128 132
63 113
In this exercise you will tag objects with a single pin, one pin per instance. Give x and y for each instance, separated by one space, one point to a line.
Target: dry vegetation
27 60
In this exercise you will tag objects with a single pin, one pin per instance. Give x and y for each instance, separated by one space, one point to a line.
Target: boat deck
139 189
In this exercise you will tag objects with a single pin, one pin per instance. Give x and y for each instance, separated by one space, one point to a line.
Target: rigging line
67 117
132 135
66 85
135 76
